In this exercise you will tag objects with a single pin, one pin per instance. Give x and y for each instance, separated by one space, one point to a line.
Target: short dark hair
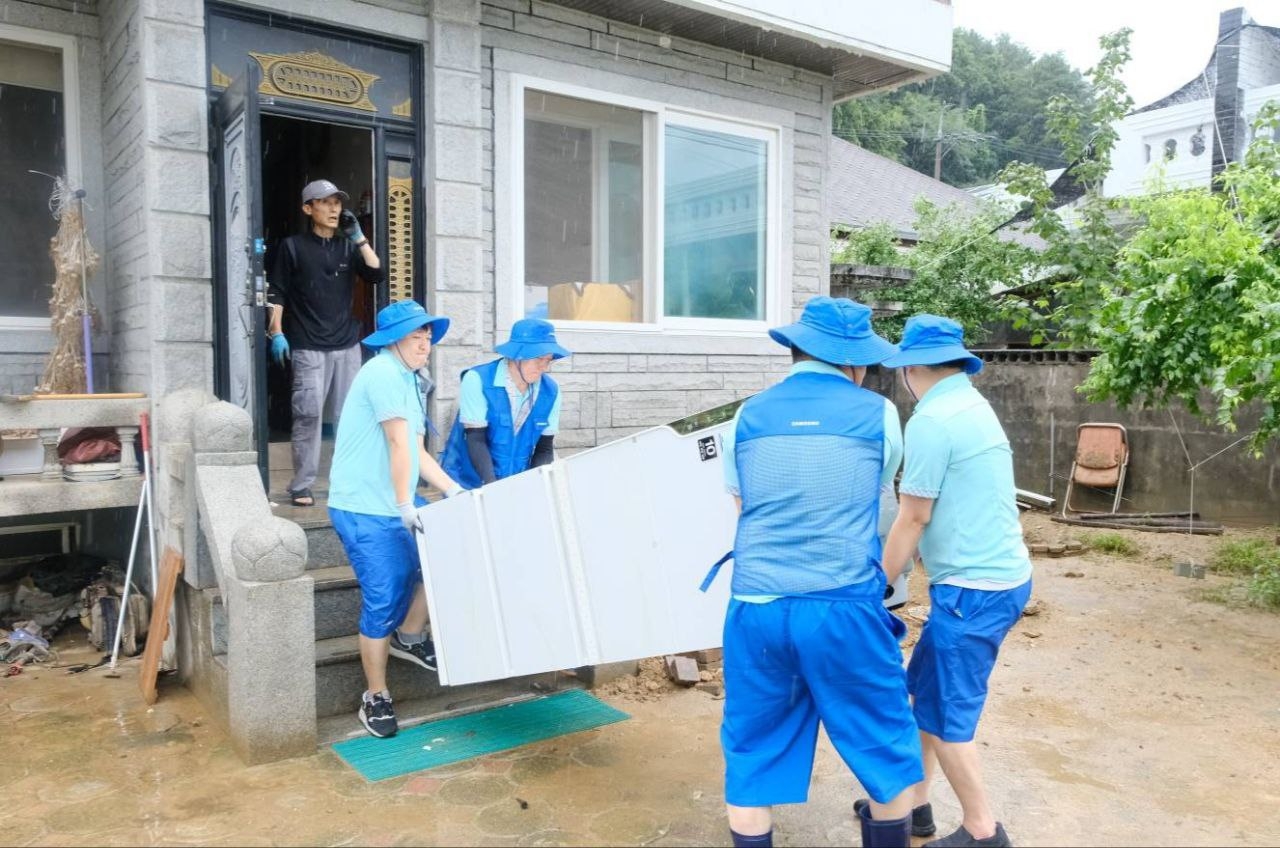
958 364
798 355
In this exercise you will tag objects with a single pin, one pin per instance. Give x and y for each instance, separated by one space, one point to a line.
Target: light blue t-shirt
958 455
360 479
892 449
473 408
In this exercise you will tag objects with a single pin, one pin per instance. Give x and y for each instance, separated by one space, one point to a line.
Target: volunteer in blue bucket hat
378 457
806 637
958 507
508 409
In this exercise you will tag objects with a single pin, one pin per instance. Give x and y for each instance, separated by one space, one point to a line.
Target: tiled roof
864 188
1201 88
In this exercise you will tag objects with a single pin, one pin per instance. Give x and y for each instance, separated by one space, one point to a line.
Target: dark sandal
302 497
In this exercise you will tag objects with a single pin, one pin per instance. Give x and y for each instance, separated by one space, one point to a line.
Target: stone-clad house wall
617 384
157 237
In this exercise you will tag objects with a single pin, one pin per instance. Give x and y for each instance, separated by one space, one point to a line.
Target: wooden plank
170 568
1200 528
1132 516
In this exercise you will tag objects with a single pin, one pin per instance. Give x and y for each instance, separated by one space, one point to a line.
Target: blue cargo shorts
795 661
957 650
384 556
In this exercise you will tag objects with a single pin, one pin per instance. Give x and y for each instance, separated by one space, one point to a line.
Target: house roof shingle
864 188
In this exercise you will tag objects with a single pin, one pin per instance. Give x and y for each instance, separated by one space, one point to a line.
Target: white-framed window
39 132
635 215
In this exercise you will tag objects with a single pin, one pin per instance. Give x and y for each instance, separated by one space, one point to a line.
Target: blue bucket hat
835 330
531 338
401 318
932 340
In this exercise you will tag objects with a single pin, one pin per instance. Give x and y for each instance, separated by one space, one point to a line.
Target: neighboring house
865 188
650 174
1190 135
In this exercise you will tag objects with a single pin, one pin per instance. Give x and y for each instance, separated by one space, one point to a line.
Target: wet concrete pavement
1129 712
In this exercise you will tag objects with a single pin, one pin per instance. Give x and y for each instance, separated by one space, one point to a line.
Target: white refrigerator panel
595 558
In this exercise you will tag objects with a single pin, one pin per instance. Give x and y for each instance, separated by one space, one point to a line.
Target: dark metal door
240 288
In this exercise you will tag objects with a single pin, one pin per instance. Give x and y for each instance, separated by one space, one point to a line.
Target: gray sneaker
378 716
423 653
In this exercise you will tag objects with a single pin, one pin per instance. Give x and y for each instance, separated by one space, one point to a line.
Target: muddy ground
1129 711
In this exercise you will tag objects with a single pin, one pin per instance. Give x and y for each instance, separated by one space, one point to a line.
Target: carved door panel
240 288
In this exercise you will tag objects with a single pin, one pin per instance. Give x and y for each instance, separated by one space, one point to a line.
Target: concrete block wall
1040 409
609 393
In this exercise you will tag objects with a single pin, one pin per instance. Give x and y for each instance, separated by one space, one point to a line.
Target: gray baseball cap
318 189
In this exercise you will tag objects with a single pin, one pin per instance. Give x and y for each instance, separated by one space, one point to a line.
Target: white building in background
1183 139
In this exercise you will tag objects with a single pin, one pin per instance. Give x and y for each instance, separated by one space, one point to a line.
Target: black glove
350 227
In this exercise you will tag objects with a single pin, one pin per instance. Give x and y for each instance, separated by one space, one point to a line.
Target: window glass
583 209
715 204
32 148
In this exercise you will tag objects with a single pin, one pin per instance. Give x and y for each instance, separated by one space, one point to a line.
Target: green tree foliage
1081 249
988 111
1179 291
874 245
1195 307
960 266
959 263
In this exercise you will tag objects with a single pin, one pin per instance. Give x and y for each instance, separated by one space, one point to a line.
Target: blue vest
511 450
809 456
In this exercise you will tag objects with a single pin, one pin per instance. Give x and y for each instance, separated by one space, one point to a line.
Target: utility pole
937 148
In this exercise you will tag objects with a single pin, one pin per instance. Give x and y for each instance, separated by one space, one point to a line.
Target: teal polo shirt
957 455
360 479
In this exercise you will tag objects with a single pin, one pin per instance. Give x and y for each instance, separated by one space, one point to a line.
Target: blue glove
350 226
279 348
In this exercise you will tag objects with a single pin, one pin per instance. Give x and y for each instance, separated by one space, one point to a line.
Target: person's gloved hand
350 226
454 491
409 516
279 348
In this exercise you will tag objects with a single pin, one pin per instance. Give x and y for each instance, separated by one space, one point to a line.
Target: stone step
340 682
324 548
337 601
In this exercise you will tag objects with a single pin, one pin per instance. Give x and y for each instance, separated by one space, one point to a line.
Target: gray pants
317 375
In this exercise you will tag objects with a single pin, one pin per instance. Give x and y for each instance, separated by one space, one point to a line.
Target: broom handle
84 300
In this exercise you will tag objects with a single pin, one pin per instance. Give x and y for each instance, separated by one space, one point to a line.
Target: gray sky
1171 41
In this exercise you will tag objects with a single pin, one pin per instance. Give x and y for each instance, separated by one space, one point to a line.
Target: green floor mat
450 740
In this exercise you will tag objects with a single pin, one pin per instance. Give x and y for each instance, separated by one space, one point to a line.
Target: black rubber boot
921 817
891 833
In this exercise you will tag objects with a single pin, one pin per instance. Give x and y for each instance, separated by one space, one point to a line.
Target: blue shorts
792 662
384 557
957 650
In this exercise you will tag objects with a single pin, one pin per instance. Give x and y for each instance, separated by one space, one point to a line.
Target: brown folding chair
1102 459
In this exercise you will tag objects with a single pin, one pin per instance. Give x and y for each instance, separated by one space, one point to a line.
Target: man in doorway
806 637
378 458
958 506
311 320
